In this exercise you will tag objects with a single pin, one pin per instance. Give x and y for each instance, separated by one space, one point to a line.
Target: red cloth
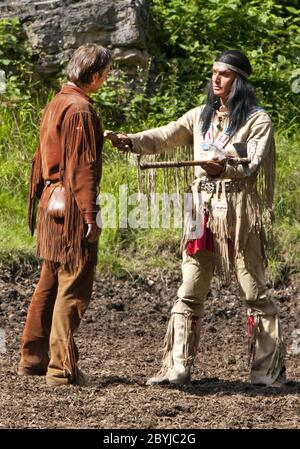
250 319
205 242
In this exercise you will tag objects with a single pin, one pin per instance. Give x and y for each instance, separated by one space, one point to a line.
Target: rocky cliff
56 27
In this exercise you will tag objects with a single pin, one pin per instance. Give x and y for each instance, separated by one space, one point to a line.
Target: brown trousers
59 301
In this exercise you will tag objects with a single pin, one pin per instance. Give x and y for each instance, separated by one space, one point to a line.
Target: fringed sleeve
35 189
80 161
159 140
261 151
80 171
268 177
260 148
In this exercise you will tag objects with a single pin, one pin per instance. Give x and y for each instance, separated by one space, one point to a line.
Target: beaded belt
210 186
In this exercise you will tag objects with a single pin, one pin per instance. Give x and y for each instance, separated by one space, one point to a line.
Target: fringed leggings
267 343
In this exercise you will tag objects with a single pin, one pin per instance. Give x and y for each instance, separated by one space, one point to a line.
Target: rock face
56 28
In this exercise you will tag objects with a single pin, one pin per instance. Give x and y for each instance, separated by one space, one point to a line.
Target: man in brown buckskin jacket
69 155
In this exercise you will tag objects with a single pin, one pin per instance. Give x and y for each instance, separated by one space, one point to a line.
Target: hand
120 141
93 232
213 168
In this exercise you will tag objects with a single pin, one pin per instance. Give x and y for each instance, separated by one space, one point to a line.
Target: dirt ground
120 341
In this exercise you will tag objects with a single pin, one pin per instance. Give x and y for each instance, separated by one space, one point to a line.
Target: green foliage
284 254
284 250
122 100
15 58
187 35
19 134
184 38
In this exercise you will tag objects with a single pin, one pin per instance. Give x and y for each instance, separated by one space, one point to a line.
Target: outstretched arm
158 140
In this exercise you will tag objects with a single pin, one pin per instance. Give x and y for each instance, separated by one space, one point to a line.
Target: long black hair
241 98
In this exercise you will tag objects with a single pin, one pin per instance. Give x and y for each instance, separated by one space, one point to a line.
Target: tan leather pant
267 346
56 309
197 273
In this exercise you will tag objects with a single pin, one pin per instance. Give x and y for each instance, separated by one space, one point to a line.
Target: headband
233 67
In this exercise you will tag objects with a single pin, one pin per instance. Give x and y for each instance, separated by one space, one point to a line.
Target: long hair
241 98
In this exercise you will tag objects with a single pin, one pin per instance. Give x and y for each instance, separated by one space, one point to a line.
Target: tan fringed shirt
254 140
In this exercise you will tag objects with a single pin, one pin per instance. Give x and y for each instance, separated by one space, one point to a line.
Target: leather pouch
56 201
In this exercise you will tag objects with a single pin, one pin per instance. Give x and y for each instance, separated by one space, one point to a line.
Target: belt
211 186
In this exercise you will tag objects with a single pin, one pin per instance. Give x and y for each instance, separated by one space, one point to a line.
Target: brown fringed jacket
71 140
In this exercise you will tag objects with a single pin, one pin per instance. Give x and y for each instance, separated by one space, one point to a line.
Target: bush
16 59
187 35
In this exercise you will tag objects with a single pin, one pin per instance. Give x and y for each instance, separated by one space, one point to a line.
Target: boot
80 379
266 349
181 344
34 357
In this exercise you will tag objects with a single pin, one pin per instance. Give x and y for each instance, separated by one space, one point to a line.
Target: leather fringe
279 352
218 223
71 359
252 338
266 181
167 360
50 238
190 340
277 360
36 185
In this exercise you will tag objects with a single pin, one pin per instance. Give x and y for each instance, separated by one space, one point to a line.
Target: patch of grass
284 250
14 233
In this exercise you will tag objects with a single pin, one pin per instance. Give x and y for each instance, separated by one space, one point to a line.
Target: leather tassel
36 185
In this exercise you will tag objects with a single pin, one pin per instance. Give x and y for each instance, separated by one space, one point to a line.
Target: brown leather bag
56 201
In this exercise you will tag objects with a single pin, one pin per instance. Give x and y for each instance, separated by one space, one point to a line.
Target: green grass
284 255
14 234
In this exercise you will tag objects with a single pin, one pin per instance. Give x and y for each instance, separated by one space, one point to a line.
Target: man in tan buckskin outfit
232 202
69 155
